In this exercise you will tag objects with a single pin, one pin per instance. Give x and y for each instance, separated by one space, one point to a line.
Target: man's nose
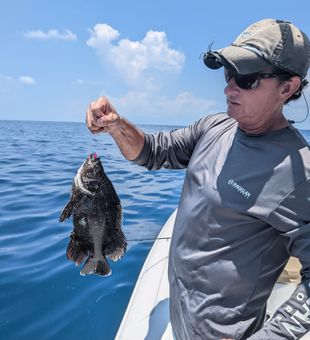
231 87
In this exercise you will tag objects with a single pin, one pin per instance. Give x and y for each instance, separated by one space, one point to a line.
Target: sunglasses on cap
249 81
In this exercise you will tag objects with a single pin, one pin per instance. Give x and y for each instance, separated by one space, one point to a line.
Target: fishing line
93 144
148 239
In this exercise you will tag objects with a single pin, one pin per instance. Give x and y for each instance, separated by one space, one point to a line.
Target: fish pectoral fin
95 266
74 251
66 211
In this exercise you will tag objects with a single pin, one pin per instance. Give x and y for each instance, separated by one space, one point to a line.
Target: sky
57 56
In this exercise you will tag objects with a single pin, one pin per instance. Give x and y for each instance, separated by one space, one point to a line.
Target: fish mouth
93 157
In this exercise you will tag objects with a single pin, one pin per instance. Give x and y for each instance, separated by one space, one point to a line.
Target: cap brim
242 60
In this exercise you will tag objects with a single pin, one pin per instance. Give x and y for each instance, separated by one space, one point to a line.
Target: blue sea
42 294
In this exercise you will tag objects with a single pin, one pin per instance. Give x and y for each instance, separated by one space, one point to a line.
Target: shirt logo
239 188
245 34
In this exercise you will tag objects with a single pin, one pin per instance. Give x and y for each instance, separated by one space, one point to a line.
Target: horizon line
75 122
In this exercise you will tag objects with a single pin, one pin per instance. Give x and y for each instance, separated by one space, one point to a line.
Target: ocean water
42 295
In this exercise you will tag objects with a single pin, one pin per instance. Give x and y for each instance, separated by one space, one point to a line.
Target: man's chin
232 112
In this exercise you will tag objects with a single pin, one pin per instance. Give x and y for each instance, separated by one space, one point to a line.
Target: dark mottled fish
97 219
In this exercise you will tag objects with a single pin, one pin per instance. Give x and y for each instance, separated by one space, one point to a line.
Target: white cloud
149 67
27 80
78 82
153 108
101 35
135 59
4 78
51 34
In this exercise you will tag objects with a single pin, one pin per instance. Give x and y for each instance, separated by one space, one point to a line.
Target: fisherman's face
256 110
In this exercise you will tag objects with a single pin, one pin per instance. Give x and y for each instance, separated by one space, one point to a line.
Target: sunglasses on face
249 81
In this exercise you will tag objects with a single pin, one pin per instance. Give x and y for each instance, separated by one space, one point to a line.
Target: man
245 203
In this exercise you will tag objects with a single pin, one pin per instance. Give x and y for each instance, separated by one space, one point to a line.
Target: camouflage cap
264 43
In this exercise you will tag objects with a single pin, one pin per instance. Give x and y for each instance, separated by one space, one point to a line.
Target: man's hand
101 116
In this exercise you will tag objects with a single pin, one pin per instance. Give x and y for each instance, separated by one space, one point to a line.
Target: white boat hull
147 314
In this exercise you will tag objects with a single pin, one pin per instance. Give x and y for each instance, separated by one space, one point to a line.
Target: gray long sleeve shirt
244 209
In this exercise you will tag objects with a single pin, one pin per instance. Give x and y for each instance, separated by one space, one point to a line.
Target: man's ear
290 86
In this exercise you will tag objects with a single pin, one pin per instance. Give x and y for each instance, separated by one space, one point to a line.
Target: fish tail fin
103 268
95 266
74 251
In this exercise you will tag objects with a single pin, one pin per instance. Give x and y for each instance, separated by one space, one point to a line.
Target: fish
97 219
